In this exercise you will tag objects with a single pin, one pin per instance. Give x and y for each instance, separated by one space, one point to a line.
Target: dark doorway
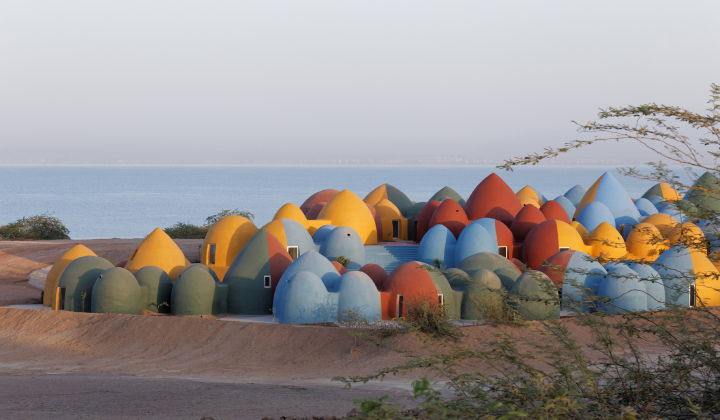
502 250
294 252
400 299
396 229
211 254
61 299
268 282
692 295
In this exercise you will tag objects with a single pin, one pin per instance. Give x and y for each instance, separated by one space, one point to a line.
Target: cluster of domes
313 261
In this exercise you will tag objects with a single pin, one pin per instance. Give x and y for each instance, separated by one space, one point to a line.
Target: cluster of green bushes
43 226
182 230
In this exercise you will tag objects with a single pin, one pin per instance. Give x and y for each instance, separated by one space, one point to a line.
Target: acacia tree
651 365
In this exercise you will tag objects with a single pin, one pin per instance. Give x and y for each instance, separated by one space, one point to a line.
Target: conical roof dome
575 194
447 192
705 193
160 250
347 209
525 221
292 212
610 192
319 197
57 269
389 192
493 198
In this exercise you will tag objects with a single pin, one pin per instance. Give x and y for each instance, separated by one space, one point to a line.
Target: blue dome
297 235
675 267
653 286
304 300
438 243
645 207
623 286
575 195
582 270
344 241
658 202
475 238
322 233
566 204
358 293
311 262
594 214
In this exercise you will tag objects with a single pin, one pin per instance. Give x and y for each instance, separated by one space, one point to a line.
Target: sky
311 81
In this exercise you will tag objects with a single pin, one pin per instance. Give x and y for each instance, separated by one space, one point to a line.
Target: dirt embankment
18 259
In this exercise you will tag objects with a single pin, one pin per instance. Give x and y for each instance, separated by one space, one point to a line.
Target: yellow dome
605 241
690 235
568 237
277 228
707 280
376 195
669 193
292 212
528 192
664 222
584 234
53 277
159 250
529 201
645 242
347 209
714 258
228 235
388 212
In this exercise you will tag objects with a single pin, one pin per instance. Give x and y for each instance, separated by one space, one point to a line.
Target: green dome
536 297
485 260
193 293
477 297
78 280
116 291
456 277
159 287
508 276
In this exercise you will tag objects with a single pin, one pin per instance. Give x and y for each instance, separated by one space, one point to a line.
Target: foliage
595 365
344 261
426 315
41 227
182 230
360 328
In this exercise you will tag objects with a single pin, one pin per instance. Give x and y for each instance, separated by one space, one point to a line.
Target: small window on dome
268 282
692 295
564 248
211 254
294 252
396 229
503 251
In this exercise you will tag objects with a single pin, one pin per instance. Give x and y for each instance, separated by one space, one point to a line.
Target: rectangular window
60 299
396 229
268 282
502 250
211 254
441 299
692 295
400 306
564 248
294 252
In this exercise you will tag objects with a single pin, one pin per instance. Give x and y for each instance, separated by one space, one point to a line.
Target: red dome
552 210
505 238
315 210
423 219
494 199
411 280
541 243
451 215
525 221
376 273
339 267
561 259
319 197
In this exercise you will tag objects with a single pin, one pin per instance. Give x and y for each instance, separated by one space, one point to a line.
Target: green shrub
182 230
41 227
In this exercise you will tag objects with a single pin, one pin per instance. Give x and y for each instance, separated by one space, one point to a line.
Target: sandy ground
20 258
68 365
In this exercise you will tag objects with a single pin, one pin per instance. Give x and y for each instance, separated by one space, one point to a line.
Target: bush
41 227
633 365
428 316
182 230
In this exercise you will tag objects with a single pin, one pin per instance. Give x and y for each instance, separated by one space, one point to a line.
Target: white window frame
563 248
506 251
296 248
441 299
267 282
212 254
399 305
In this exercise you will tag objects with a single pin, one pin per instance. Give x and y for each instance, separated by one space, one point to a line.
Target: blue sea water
129 201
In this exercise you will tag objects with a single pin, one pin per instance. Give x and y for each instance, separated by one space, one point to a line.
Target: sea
129 201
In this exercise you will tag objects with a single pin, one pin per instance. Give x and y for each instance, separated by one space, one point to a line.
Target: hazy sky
198 81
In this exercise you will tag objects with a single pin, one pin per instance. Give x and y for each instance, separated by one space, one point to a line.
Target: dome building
224 241
493 198
422 221
438 244
552 210
394 225
445 193
473 239
412 219
689 277
549 238
451 215
575 194
347 209
567 205
392 194
53 276
645 243
608 191
414 281
74 292
319 197
116 291
525 221
292 235
159 250
345 242
663 190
